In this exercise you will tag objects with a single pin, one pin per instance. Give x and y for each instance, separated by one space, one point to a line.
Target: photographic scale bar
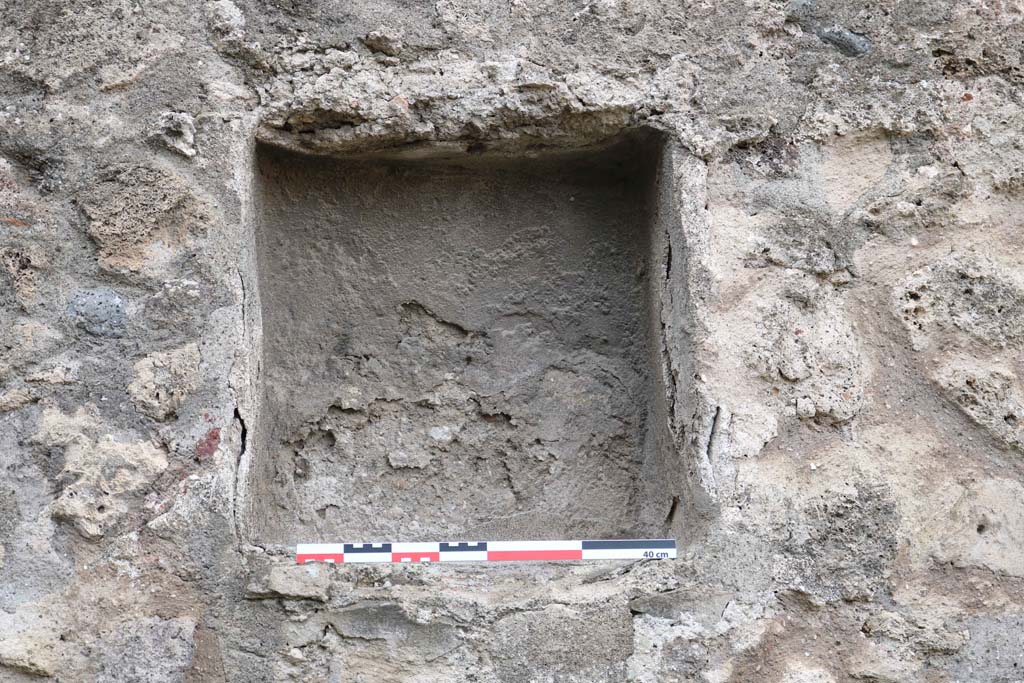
486 551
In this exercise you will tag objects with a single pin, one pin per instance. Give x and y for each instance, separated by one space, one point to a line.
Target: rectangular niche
460 346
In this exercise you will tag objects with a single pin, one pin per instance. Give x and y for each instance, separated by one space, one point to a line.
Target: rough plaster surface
456 348
831 332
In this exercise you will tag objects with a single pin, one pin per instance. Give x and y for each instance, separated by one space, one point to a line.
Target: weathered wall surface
838 322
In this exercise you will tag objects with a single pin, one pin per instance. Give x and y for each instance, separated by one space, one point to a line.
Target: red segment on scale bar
320 557
415 557
512 555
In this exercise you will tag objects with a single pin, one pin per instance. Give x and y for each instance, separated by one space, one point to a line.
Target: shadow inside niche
459 347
